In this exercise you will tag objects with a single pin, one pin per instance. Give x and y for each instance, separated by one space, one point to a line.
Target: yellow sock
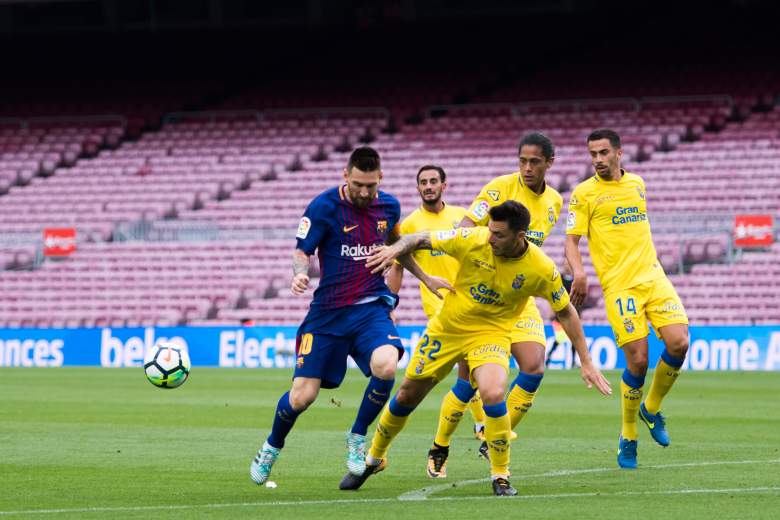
518 402
450 414
475 407
663 378
387 428
631 398
497 437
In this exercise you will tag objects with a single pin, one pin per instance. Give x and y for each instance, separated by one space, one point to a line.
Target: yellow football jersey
433 262
491 291
613 215
545 208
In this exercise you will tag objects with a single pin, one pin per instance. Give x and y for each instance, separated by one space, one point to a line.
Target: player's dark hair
513 213
365 159
606 133
442 175
540 140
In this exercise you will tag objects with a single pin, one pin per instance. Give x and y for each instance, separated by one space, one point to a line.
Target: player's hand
434 283
592 376
381 259
299 284
579 289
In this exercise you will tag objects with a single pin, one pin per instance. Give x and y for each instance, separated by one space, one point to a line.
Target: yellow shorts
629 310
437 353
529 326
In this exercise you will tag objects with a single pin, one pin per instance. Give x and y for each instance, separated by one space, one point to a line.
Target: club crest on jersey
493 194
381 226
628 325
303 228
640 192
420 366
551 215
518 282
299 361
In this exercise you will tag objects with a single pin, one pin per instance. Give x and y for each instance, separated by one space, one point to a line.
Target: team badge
641 193
420 366
493 194
518 282
551 215
300 361
628 325
381 226
303 228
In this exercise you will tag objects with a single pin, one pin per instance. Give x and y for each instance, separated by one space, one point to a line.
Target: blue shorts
327 336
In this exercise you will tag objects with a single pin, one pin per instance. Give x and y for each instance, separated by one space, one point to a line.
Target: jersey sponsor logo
481 209
484 265
446 235
493 194
535 237
303 228
358 252
556 296
381 226
628 215
571 220
347 229
483 294
518 282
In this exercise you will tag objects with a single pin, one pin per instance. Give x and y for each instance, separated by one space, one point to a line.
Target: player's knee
492 395
384 369
301 398
637 365
533 366
678 347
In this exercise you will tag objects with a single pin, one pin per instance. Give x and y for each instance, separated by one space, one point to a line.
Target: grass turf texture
92 442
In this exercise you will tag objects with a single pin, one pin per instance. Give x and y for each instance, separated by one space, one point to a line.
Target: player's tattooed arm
300 280
382 257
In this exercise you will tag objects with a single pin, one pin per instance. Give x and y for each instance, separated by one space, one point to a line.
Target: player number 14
630 306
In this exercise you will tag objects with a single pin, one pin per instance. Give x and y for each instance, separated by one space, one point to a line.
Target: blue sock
528 382
671 360
495 410
463 390
284 419
374 399
632 380
397 409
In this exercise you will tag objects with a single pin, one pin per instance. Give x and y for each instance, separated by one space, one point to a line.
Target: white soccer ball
167 365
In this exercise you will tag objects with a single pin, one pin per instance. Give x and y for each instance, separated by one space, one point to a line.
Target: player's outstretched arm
579 286
300 279
383 256
570 321
433 283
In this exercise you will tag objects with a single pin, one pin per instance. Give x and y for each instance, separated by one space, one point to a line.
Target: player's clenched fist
299 283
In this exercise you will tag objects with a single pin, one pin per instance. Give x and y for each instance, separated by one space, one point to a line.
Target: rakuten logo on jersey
358 252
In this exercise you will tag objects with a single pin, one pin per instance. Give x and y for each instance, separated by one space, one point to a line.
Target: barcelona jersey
344 236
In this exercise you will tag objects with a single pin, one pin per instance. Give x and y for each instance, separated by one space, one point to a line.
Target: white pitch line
705 491
424 493
179 507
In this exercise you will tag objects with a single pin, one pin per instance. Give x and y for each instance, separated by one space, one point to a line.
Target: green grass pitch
104 443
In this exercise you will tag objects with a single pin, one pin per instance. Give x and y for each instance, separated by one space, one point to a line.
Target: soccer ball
167 365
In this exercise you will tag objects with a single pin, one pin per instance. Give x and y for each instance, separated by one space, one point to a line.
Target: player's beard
431 202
